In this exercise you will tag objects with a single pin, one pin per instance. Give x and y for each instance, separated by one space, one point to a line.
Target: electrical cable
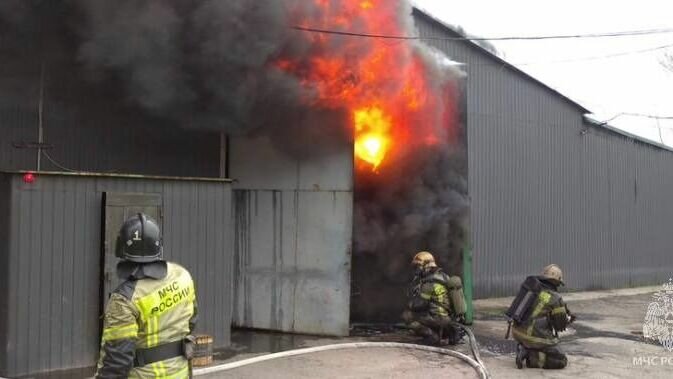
509 38
597 57
645 116
635 115
571 60
56 163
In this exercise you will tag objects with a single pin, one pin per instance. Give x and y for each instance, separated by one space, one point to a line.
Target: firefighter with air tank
537 314
436 302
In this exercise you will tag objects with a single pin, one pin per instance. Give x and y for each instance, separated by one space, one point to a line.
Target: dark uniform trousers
547 358
432 327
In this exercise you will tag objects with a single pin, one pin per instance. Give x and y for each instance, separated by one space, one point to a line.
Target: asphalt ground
605 342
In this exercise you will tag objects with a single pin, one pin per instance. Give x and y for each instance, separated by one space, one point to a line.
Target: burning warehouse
346 153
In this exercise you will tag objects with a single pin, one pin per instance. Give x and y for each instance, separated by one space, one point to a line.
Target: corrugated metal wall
54 258
544 190
292 237
4 262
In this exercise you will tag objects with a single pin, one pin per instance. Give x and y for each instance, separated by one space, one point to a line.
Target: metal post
467 284
40 108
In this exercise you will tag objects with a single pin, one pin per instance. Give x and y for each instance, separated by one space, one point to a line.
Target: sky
632 83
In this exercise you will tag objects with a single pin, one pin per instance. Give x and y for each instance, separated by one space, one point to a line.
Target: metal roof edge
452 30
120 176
604 125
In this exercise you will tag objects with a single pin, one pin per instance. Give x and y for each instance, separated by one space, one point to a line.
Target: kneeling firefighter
150 316
436 299
536 316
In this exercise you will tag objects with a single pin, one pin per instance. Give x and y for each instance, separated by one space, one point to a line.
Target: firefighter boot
521 355
430 337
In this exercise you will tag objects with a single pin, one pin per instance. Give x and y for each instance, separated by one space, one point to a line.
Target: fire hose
475 362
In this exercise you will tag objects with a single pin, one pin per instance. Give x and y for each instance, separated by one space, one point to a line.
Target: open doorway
416 199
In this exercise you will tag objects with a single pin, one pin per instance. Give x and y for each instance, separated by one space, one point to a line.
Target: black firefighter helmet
139 240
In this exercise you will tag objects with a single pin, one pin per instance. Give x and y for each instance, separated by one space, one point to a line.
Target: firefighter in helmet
435 299
537 335
150 316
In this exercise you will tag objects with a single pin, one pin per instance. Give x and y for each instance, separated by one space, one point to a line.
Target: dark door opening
415 200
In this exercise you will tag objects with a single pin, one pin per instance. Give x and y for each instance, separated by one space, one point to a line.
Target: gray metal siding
292 263
292 231
543 190
4 261
54 263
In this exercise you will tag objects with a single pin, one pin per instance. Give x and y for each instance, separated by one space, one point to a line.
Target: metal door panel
117 207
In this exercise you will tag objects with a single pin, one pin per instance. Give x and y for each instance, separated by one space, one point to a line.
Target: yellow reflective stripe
152 331
156 331
543 357
426 296
558 310
162 370
148 331
155 369
442 298
119 332
529 337
529 331
543 299
161 373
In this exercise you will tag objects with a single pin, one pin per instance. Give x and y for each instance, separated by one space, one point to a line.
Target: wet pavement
605 342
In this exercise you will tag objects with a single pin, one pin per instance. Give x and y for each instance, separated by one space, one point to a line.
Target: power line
634 114
597 57
56 163
510 38
648 116
580 59
643 115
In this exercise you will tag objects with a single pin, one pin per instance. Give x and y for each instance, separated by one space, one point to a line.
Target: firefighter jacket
438 294
549 316
146 319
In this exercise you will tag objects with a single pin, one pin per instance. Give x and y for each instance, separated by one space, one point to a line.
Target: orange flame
366 4
371 130
383 84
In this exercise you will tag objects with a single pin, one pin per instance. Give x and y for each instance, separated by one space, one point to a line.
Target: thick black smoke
193 64
202 63
208 64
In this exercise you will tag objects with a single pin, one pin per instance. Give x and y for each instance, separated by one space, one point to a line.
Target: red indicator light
28 178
